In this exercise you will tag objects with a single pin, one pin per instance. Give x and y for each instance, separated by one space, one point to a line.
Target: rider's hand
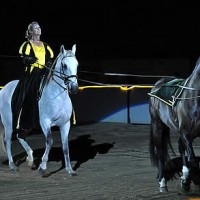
29 60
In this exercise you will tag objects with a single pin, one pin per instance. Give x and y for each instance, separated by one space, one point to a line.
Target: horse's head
68 70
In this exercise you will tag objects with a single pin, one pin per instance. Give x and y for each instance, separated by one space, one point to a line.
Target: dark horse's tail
161 141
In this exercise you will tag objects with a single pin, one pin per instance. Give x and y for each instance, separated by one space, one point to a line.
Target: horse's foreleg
29 151
49 142
185 178
65 146
187 145
155 152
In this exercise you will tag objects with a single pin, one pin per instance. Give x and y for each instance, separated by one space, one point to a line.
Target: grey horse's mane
69 53
51 69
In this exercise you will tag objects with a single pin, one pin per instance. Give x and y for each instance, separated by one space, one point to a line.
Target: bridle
60 74
63 76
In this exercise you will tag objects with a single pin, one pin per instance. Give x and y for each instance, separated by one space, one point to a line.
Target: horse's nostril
73 88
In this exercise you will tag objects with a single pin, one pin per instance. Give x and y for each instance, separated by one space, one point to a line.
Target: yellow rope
121 87
74 117
116 86
113 86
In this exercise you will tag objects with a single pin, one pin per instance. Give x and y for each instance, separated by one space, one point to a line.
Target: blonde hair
29 29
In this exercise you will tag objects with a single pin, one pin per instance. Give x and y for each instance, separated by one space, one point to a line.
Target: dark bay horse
183 116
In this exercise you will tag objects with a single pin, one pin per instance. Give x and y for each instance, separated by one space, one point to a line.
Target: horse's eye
64 63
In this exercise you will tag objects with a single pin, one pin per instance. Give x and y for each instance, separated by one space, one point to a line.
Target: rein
185 98
65 80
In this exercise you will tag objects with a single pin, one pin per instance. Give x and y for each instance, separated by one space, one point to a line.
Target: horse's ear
74 49
62 49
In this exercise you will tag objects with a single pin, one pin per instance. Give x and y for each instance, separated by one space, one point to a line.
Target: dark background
107 30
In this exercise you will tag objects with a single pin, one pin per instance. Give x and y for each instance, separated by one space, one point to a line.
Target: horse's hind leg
3 153
6 132
159 137
8 142
65 146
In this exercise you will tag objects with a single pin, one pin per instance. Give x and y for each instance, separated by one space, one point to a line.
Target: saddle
169 91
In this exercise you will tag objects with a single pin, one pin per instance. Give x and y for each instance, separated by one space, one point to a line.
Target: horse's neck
56 87
57 81
56 75
196 71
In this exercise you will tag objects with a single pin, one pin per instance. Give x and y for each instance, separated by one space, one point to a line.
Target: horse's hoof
163 189
41 171
13 168
197 189
29 162
185 186
183 189
73 173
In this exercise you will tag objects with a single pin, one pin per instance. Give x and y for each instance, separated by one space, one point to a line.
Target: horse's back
5 98
8 89
161 112
161 82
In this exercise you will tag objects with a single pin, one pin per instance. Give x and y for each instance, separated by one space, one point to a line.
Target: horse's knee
50 141
65 151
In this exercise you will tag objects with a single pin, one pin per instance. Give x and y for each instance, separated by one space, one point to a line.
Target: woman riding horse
36 56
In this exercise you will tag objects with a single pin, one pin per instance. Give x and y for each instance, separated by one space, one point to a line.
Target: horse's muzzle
73 87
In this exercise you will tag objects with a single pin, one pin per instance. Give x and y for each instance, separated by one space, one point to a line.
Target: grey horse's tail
3 154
